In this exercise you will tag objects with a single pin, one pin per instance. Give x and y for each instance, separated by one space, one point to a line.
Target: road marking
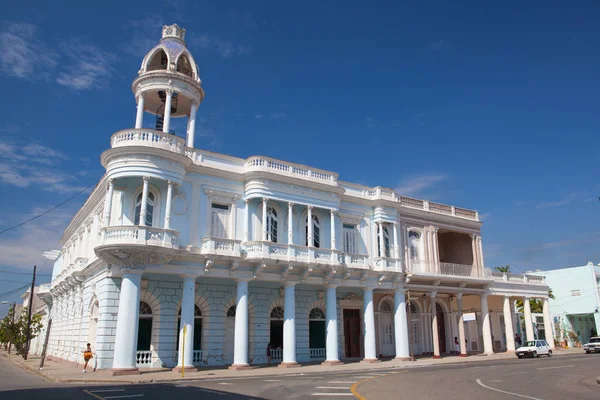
124 396
93 395
339 382
225 383
332 394
365 376
333 387
505 392
273 380
107 390
558 366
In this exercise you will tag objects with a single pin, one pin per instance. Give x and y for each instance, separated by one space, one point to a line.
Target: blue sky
492 107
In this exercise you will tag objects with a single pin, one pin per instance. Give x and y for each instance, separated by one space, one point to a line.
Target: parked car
534 348
592 346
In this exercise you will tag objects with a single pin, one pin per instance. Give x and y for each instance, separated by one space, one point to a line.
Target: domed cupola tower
169 85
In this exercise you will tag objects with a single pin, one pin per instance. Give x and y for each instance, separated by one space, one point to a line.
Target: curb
598 380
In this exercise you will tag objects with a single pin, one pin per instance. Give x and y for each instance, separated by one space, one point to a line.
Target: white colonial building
183 257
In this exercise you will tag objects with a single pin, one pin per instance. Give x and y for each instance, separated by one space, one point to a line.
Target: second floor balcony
140 235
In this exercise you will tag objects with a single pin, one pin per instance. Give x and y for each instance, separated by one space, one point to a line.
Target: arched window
197 328
276 328
149 209
272 224
414 241
144 327
231 311
316 333
385 307
159 61
316 232
184 66
92 327
386 241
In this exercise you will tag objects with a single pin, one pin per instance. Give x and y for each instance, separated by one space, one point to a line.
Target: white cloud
145 34
22 54
417 185
258 116
485 216
225 48
568 199
278 115
91 67
35 164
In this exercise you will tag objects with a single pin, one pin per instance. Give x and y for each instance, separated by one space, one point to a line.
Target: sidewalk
64 371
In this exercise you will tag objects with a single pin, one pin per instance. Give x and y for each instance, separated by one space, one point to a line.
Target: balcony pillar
289 326
480 251
434 246
144 205
369 321
396 246
461 326
407 255
290 232
309 225
264 219
108 202
381 239
124 360
186 344
474 249
332 328
548 324
247 220
240 343
401 325
434 326
139 118
488 345
508 325
528 321
333 244
192 125
168 205
167 114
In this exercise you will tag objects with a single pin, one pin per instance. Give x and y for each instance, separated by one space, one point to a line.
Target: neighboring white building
246 252
41 294
575 308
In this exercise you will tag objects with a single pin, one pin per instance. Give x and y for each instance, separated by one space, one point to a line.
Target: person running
269 353
87 356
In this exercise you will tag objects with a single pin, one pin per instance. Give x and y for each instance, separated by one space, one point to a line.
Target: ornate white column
396 245
290 231
508 325
192 125
289 326
474 248
548 324
108 202
333 244
488 345
168 205
461 326
264 219
144 206
167 115
186 345
480 248
139 118
247 220
408 257
332 328
381 239
434 326
369 321
240 344
434 246
528 321
401 325
127 323
309 222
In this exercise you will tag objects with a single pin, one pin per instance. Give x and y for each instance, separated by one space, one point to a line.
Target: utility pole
30 308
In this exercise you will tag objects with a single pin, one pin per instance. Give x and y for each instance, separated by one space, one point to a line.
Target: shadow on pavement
142 392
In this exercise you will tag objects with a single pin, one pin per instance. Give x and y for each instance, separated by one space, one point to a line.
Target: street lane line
93 395
558 366
273 380
225 383
353 387
333 387
340 382
332 394
107 390
505 392
126 396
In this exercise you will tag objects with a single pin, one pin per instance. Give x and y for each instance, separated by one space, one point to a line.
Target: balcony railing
361 261
286 252
140 235
515 278
318 354
266 164
220 247
442 268
276 354
197 357
387 264
148 138
143 359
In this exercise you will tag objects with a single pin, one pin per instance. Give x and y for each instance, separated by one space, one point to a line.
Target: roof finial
173 31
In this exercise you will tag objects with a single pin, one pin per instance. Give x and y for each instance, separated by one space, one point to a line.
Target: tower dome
168 84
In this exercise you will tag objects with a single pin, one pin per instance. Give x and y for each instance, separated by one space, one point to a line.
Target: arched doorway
441 327
386 329
229 335
276 333
316 334
197 357
144 339
93 325
413 313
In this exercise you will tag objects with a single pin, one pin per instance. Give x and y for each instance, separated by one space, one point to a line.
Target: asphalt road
565 377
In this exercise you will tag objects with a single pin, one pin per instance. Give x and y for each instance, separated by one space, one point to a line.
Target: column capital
290 204
332 212
145 178
309 208
247 201
368 288
170 183
395 223
289 283
400 289
433 295
139 95
111 181
484 295
459 295
473 236
332 285
435 229
265 199
170 91
189 276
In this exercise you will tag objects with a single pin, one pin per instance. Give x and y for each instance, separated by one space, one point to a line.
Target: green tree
16 331
504 270
537 305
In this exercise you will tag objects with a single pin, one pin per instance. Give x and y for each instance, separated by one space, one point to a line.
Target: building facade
184 257
575 308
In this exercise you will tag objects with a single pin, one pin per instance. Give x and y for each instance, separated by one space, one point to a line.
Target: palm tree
504 270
